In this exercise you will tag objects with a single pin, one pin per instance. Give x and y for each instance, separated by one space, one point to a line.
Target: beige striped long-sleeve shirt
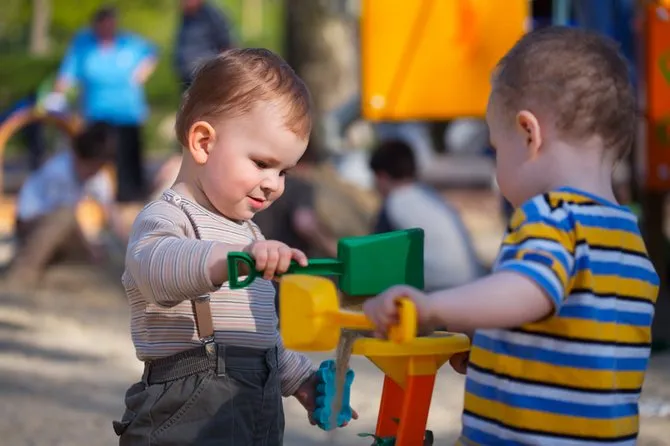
166 267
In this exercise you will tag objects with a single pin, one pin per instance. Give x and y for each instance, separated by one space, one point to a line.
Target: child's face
516 141
246 160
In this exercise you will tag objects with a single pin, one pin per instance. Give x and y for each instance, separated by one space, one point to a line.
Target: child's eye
282 173
261 164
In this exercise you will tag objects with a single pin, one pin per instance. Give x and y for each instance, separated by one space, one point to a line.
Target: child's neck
586 170
187 185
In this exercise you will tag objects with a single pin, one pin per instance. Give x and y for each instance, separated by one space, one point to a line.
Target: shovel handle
315 267
234 259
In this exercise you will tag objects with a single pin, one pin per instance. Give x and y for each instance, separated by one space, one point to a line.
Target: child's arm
168 266
536 265
294 369
502 300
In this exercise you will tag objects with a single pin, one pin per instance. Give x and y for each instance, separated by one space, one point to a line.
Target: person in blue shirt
110 68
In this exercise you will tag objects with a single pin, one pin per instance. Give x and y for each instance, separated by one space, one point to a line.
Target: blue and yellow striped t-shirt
573 378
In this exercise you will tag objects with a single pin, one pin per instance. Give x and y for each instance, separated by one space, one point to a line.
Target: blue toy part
325 393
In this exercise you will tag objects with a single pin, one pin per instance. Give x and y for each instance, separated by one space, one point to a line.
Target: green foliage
20 75
156 20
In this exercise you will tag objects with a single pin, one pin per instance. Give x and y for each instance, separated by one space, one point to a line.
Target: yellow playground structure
432 59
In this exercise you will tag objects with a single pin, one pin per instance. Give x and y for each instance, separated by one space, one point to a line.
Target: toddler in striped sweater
215 367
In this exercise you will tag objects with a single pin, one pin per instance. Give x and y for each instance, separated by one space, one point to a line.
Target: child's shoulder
540 208
160 208
564 206
161 215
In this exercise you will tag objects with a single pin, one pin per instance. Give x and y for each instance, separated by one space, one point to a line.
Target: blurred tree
322 46
39 27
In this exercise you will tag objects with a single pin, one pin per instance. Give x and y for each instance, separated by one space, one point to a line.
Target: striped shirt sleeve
294 369
540 245
167 265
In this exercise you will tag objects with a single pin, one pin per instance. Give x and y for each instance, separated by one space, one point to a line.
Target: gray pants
230 396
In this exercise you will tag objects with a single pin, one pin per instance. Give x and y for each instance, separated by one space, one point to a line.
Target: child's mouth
256 203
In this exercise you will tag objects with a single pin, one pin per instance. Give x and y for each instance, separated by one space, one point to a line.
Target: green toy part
315 267
365 265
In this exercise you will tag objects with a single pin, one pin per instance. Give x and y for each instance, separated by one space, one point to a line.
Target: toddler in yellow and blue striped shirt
561 330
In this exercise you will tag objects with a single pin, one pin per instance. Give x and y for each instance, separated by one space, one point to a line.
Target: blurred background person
293 219
110 67
47 229
204 31
449 255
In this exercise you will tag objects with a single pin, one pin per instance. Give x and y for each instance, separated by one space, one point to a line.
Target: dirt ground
66 359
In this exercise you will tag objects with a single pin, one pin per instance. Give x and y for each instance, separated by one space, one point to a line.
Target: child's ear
529 127
201 137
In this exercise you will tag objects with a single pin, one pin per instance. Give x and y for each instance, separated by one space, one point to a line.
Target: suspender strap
202 310
203 319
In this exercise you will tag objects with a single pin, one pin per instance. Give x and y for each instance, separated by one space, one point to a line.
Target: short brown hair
96 142
231 83
394 158
577 78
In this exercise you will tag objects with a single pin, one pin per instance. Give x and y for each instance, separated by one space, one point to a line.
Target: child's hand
382 310
459 362
306 395
273 257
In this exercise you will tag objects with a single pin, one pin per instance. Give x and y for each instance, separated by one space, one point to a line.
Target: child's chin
238 214
247 214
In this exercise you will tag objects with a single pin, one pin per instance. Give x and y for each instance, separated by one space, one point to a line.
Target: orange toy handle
404 331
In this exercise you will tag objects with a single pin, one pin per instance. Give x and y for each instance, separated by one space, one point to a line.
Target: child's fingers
380 313
285 254
299 257
271 266
374 310
260 256
354 414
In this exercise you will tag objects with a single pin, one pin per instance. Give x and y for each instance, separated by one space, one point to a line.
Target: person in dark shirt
450 258
204 31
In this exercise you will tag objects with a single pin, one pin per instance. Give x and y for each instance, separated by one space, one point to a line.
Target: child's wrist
217 262
430 319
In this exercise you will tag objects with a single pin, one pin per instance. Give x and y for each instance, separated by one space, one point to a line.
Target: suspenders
202 310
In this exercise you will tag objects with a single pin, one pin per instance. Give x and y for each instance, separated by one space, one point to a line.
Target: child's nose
271 183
